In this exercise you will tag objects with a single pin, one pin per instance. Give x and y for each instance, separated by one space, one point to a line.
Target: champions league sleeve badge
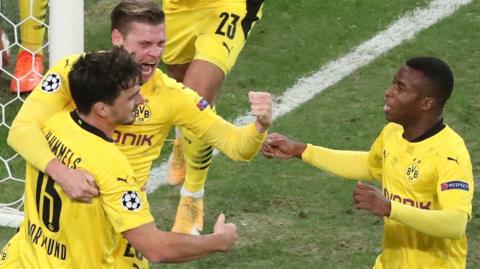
131 201
51 83
202 104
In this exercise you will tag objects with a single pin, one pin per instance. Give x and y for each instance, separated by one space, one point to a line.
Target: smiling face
146 42
406 100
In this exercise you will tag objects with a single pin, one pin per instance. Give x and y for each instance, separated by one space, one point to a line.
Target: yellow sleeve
449 223
238 143
343 163
125 204
191 111
25 135
455 186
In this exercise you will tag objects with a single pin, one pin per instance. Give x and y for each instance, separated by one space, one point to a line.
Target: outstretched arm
242 143
346 164
160 246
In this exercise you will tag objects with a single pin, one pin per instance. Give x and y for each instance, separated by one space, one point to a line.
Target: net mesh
12 166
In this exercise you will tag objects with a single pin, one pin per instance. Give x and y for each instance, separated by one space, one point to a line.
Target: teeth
386 108
146 69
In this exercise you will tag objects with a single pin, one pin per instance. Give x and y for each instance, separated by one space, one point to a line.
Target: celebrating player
138 26
61 233
204 39
423 165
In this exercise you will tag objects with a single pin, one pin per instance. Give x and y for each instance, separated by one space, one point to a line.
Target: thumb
221 218
364 187
274 141
91 182
88 177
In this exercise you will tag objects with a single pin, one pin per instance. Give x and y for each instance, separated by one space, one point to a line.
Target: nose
140 100
389 91
156 51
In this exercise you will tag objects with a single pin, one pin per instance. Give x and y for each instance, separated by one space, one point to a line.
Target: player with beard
138 26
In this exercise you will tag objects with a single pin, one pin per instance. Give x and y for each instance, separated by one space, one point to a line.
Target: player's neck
412 132
101 123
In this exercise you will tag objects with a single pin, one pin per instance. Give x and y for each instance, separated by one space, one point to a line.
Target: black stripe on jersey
431 132
89 128
202 167
207 160
205 157
253 6
205 152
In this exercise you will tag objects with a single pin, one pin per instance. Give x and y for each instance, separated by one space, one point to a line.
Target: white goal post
65 36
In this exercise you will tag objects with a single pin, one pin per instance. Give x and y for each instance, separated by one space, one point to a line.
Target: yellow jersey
431 174
61 233
167 104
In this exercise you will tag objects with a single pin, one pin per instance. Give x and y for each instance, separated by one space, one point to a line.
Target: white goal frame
65 37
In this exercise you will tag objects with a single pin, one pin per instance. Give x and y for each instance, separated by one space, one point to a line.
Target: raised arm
160 246
242 143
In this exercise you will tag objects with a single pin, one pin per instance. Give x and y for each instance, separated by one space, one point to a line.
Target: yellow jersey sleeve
124 202
238 143
189 110
439 223
455 184
376 156
48 97
343 163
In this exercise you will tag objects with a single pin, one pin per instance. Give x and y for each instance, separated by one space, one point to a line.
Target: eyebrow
133 95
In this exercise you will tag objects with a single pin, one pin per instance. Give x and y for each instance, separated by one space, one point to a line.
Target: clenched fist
261 106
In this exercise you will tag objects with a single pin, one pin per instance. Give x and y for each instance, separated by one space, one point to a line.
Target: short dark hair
101 76
438 74
128 11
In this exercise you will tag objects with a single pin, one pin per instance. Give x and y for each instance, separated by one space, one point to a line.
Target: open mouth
147 69
386 108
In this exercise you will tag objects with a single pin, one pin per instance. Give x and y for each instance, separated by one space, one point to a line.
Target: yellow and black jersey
61 233
167 104
432 174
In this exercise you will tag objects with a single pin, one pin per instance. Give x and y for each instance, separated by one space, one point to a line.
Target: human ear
101 109
428 103
117 38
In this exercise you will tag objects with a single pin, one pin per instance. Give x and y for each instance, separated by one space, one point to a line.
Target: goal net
64 35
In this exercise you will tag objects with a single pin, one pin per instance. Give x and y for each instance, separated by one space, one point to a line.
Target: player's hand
79 185
281 147
261 106
371 199
227 232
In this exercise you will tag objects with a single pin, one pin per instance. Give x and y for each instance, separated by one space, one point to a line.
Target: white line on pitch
304 89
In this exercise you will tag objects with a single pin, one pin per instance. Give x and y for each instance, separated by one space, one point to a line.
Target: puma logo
122 179
452 159
227 47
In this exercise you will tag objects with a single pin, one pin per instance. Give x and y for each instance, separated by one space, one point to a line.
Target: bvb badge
142 113
413 171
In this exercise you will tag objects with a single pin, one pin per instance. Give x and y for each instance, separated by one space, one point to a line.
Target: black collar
89 128
431 132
